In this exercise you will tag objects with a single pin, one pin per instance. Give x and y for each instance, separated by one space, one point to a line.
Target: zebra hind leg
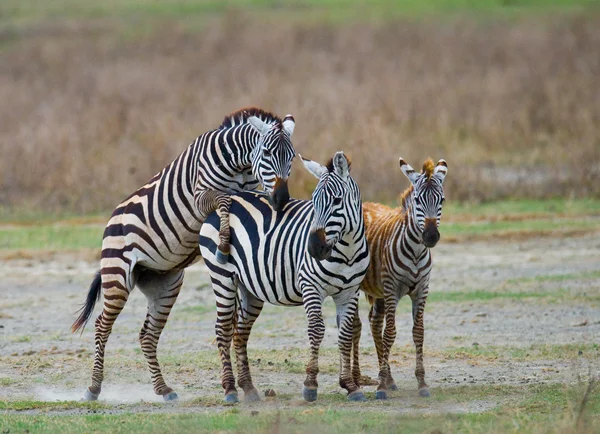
161 291
116 282
248 311
225 289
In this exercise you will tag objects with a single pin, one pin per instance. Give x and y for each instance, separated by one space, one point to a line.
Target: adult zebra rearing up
152 236
399 241
310 250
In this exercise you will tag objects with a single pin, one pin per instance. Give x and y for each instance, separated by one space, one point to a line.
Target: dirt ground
41 360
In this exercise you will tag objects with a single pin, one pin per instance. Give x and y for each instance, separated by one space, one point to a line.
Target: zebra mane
427 170
329 164
241 116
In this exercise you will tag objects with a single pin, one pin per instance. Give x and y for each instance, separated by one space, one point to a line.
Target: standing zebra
399 240
152 236
311 250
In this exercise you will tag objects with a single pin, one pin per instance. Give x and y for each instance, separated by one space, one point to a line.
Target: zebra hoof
393 387
309 395
231 398
424 392
90 396
170 397
252 396
381 394
222 258
357 396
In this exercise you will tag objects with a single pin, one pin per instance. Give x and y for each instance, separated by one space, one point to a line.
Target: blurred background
96 97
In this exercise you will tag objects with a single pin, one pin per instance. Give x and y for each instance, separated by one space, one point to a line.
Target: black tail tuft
88 307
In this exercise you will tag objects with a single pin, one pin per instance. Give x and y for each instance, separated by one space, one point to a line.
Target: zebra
152 236
311 250
400 241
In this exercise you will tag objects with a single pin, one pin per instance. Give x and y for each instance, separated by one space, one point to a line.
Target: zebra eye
443 199
417 200
266 152
337 200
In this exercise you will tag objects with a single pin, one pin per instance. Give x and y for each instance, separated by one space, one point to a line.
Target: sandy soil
41 360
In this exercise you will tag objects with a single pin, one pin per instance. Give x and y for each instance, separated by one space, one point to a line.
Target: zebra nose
317 245
431 236
280 195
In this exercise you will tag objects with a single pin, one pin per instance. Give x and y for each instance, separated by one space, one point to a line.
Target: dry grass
90 110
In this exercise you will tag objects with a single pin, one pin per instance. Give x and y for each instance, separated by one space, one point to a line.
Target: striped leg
313 302
161 291
209 200
418 308
376 316
248 311
346 304
389 336
356 331
117 282
226 299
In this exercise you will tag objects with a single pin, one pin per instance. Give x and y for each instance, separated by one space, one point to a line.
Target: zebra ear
340 165
313 167
289 124
441 170
258 124
408 171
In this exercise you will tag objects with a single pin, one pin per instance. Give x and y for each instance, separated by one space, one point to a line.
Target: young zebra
399 240
152 236
310 250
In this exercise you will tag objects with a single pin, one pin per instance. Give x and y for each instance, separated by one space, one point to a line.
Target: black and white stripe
152 236
401 264
310 250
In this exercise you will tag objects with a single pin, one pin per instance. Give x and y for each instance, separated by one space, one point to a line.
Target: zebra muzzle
280 194
431 235
317 246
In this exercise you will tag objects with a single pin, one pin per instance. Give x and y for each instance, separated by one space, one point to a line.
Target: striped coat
400 241
152 236
309 251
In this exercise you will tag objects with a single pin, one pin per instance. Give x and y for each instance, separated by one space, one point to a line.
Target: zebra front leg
418 308
223 204
248 311
356 331
346 303
313 302
389 336
161 291
208 201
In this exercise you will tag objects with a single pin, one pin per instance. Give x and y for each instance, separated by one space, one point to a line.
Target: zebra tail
87 308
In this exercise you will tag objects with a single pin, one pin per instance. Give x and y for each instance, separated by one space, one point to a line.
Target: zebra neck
411 239
351 244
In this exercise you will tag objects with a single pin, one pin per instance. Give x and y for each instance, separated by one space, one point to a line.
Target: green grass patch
520 208
499 228
46 405
18 11
537 408
51 237
60 232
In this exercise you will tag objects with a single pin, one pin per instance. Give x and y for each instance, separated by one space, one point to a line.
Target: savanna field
97 97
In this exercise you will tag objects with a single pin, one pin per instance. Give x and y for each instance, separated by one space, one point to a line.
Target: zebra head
337 205
272 158
427 198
